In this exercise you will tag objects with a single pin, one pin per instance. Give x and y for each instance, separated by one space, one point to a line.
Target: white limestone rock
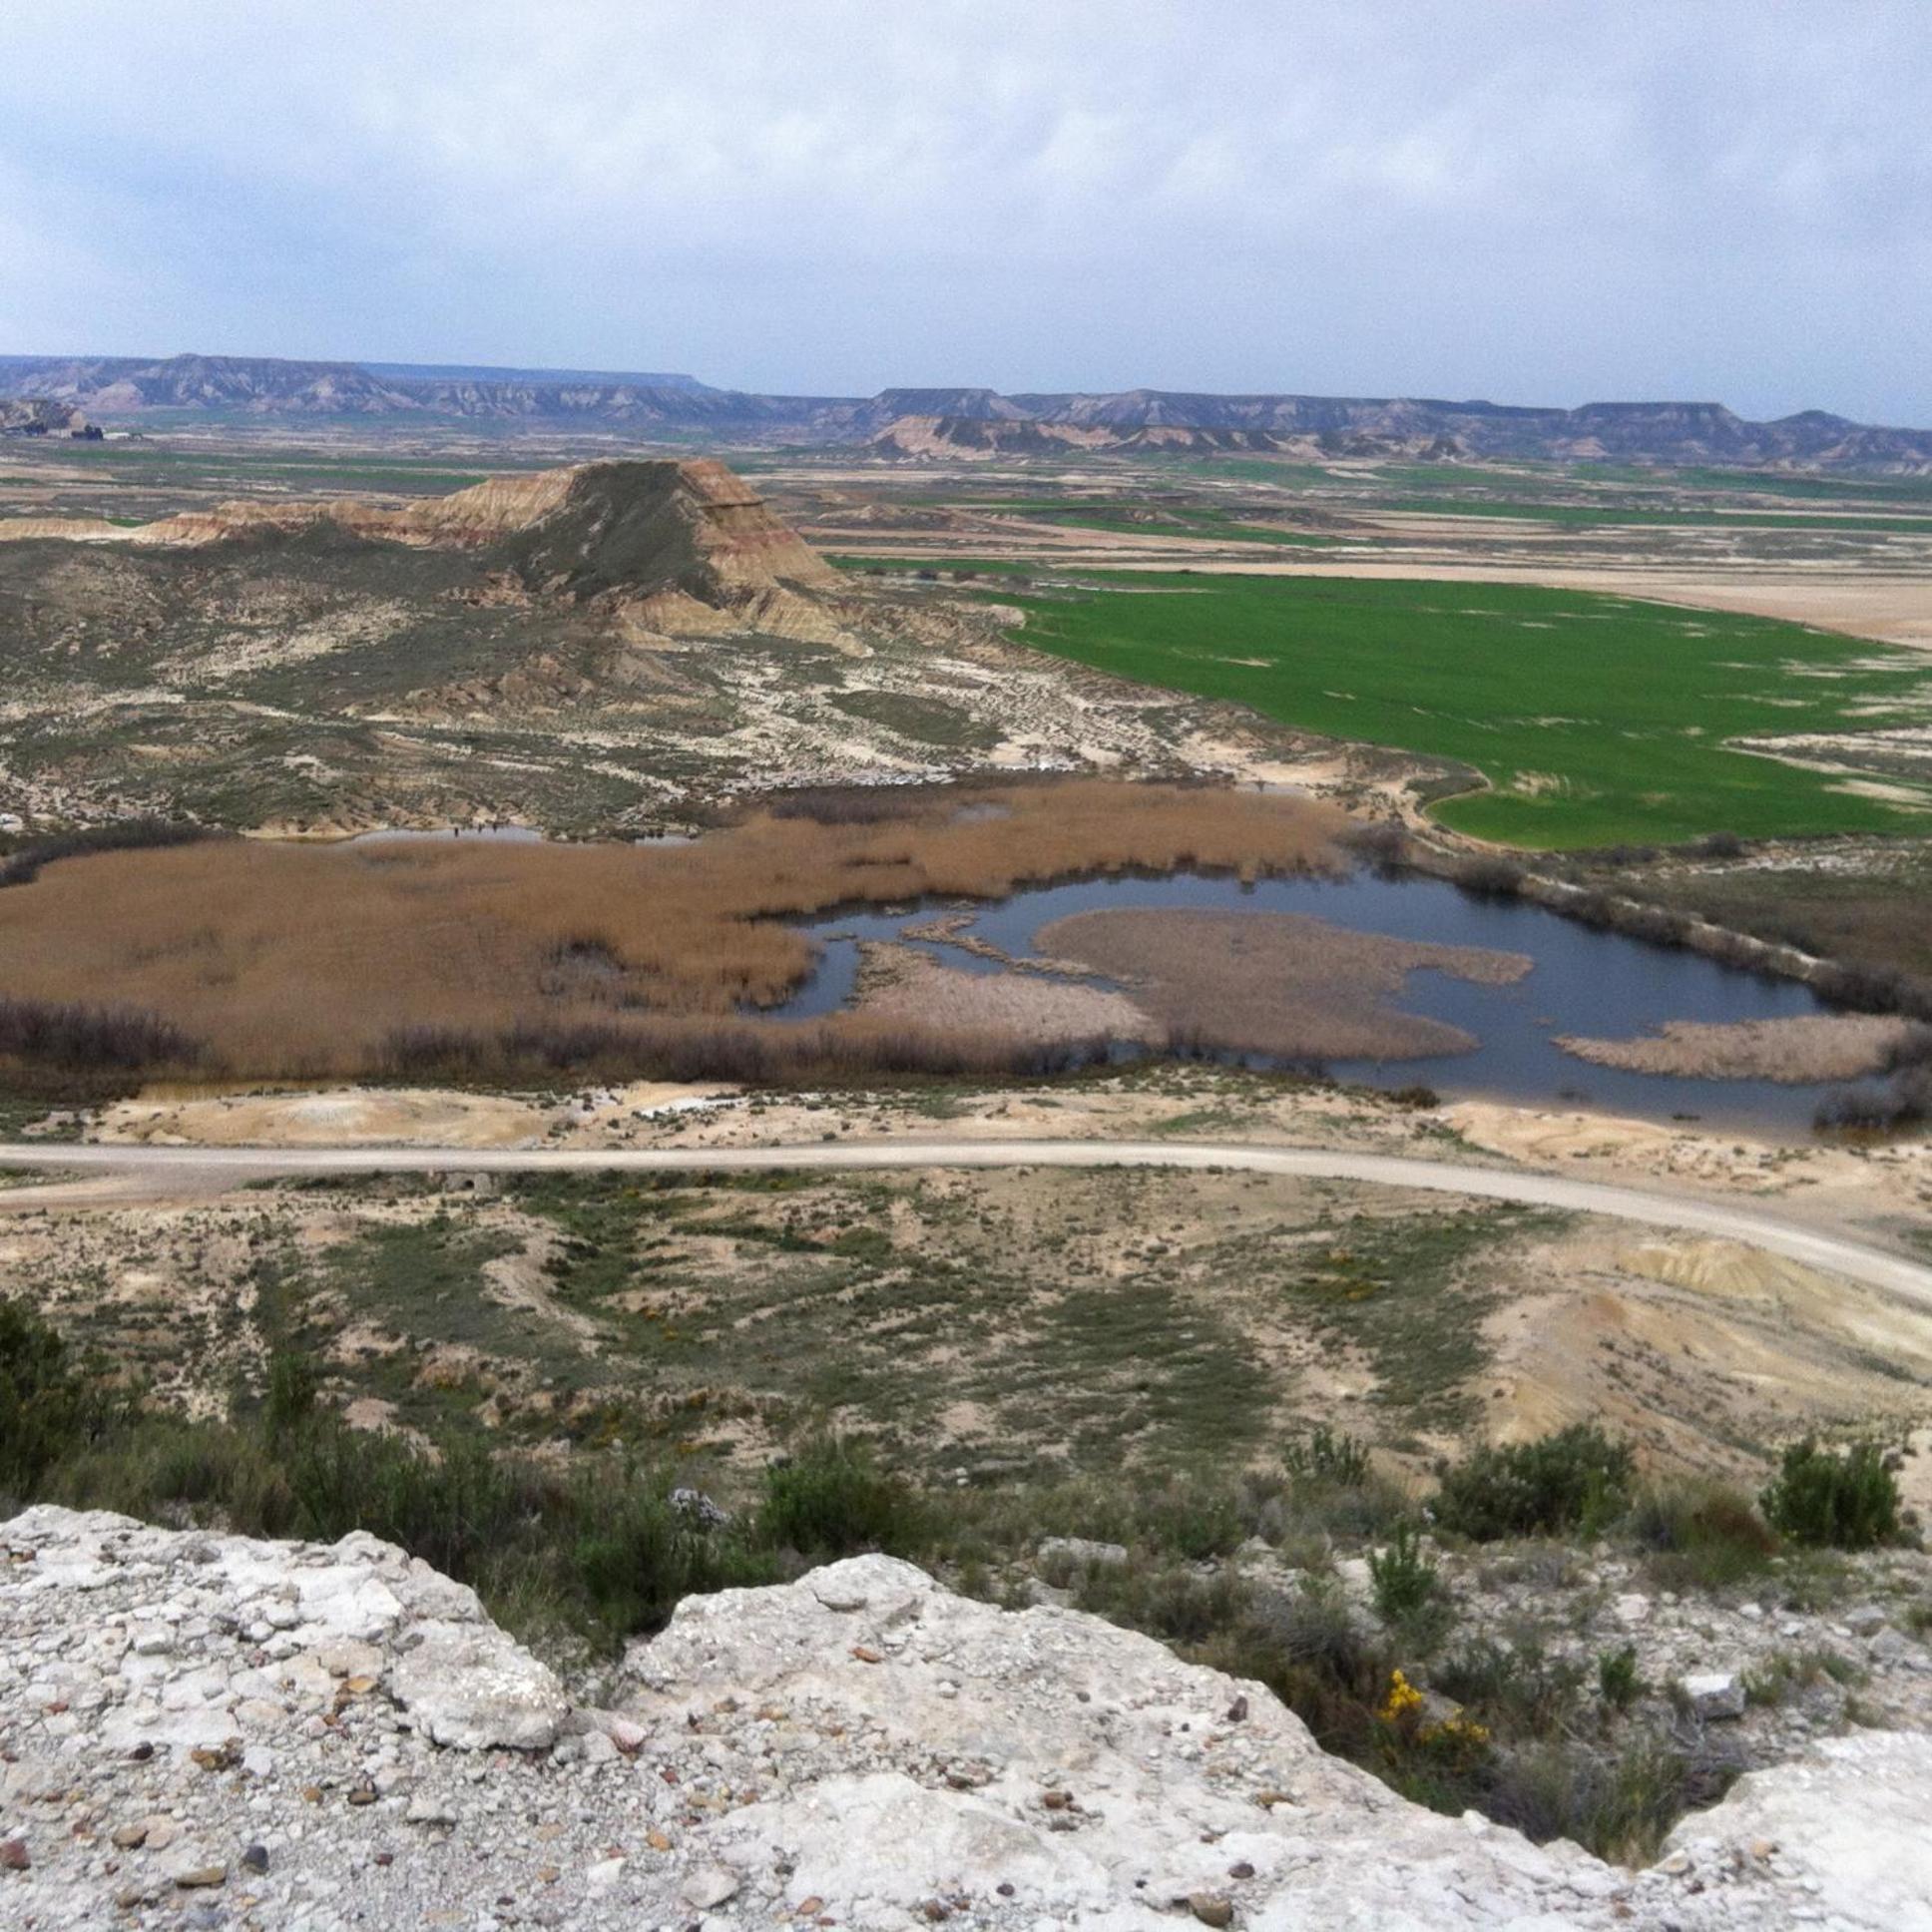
861 1737
472 1688
1715 1694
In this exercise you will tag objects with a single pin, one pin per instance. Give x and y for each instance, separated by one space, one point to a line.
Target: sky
1529 200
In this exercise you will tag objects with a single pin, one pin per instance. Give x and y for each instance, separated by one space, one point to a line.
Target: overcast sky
1534 200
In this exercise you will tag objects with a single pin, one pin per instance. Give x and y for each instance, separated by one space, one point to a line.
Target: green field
1596 720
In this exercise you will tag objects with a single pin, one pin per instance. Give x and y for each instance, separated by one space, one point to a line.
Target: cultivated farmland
1596 720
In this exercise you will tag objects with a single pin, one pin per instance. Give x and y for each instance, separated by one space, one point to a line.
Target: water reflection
1582 982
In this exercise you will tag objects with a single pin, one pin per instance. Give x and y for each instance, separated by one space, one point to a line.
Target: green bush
289 1399
455 1510
1618 1683
1172 1602
1574 1480
832 1500
1619 1809
1190 1519
164 1469
50 1406
1311 1652
1516 1688
1335 1491
1323 1456
1406 1583
1843 1501
636 1555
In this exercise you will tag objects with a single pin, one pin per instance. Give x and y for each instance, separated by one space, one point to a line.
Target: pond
450 834
1597 984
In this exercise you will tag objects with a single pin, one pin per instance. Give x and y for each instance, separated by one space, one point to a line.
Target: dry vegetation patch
1278 983
904 984
280 959
1804 1049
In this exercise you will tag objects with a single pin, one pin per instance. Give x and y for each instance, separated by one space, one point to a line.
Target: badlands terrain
1257 1394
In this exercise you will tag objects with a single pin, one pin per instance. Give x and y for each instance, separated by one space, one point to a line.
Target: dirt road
197 1169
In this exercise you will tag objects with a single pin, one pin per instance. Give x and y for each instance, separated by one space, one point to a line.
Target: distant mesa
973 438
934 422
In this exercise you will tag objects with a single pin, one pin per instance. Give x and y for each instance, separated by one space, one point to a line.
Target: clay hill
674 406
683 544
352 662
615 648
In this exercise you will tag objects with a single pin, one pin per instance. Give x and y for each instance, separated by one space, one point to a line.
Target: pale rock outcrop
206 1730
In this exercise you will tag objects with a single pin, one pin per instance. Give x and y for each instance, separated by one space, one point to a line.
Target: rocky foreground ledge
207 1731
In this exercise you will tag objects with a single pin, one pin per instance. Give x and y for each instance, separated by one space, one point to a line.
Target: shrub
1716 846
134 834
1384 844
1517 1686
1779 1676
1191 1519
637 1557
1308 1650
1406 1583
1324 1456
50 1406
832 1500
289 1400
1846 1501
87 1039
1619 1809
1702 1535
1576 1479
455 1510
164 1469
1490 878
1335 1491
1618 1683
1172 1602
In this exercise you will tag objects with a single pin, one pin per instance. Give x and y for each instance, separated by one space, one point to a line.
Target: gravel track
198 1167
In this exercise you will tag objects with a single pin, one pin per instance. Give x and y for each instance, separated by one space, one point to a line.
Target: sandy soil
372 1116
1696 1348
1822 1046
1279 983
1692 1340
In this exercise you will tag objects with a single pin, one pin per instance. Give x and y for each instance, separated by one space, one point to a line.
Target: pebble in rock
710 1887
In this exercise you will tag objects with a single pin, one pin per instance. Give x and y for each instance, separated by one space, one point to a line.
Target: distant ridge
677 407
490 373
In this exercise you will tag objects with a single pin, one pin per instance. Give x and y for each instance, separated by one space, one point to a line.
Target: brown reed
289 960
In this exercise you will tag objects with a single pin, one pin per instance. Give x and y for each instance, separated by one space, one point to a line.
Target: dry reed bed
1278 983
1800 1050
297 960
900 984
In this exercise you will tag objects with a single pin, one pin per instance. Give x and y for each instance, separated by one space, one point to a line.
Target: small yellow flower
1403 1698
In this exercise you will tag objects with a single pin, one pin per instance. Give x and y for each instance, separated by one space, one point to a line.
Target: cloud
1531 199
